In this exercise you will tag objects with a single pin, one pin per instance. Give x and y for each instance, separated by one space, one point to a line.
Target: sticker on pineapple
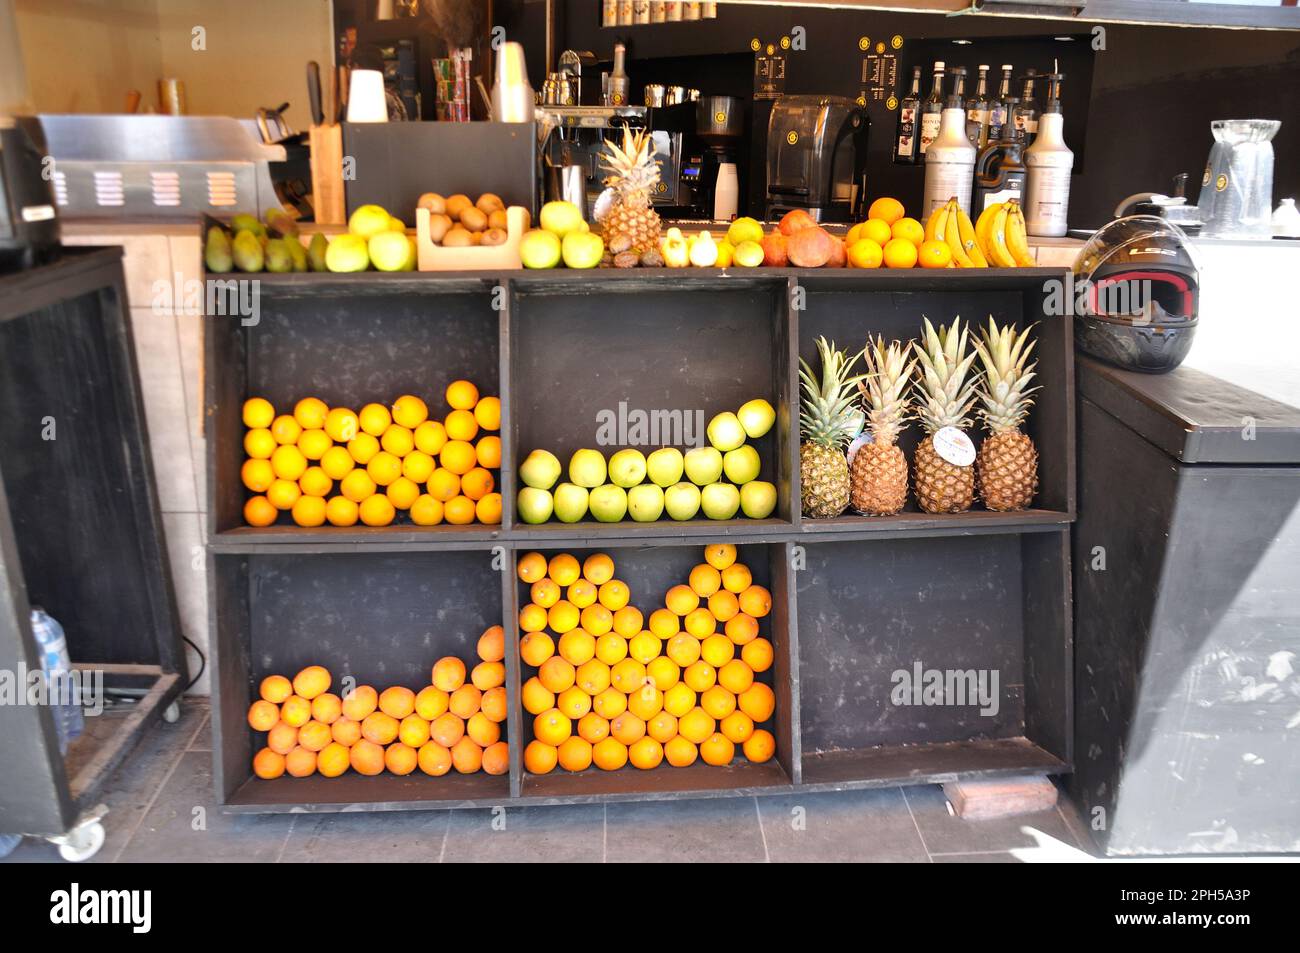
861 440
954 446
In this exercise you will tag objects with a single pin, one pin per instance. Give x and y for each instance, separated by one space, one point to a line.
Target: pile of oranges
330 464
454 722
611 687
891 238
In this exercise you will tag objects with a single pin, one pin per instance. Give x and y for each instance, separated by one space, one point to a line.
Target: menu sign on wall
769 68
878 82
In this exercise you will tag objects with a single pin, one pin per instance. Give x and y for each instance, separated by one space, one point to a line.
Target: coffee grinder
719 124
817 157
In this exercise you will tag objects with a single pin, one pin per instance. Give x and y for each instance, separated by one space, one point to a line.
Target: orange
377 511
262 715
909 230
397 702
582 593
488 510
341 424
447 729
866 253
536 647
562 616
737 578
285 430
458 457
257 475
696 725
346 732
426 511
592 727
448 673
592 676
402 493
477 483
488 452
681 600
611 648
684 649
557 674
680 753
430 437
596 619
888 209
466 756
627 676
717 701
757 655
417 466
573 702
400 759
614 594
900 253
288 463
532 618
742 629
700 676
496 758
598 568
362 448
397 440
314 443
679 699
609 754
700 623
275 689
577 646
645 753
296 711
756 601
283 738
413 731
459 511
314 736
488 413
259 511
552 726
310 412
360 702
934 254
564 569
627 621
491 646
332 760
760 746
326 708
536 696
462 395
409 411
717 749
494 704
357 486
308 511
384 468
724 605
258 412
540 758
488 675
531 567
717 650
312 681
737 727
662 727
434 759
337 463
610 703
461 425
545 593
644 646
268 764
705 580
340 511
380 728
575 754
482 730
367 758
443 485
720 555
465 702
664 623
758 702
663 671
626 728
646 702
374 419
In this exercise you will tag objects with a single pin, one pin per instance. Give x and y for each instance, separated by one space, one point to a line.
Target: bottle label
906 130
998 117
943 180
1048 203
976 116
929 130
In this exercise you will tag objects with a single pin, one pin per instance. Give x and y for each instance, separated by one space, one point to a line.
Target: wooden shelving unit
855 598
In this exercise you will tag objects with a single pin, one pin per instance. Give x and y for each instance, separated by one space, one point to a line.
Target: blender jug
1236 198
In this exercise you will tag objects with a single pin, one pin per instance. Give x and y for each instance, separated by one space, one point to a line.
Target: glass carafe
1236 198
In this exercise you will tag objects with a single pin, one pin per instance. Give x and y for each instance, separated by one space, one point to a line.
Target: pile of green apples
721 479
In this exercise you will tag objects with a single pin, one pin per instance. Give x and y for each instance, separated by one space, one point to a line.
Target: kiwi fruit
438 226
489 202
435 203
457 204
497 219
493 236
474 219
457 237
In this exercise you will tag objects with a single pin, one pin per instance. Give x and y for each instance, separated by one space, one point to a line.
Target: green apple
720 501
645 503
587 468
744 229
703 465
748 255
627 468
582 249
539 249
664 466
561 218
347 253
757 499
412 256
369 220
535 505
757 417
540 470
682 501
725 431
389 250
608 503
741 465
570 502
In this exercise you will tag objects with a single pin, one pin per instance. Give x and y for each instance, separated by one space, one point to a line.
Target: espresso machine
817 157
699 143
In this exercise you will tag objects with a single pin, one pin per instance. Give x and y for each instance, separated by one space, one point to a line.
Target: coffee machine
695 142
817 157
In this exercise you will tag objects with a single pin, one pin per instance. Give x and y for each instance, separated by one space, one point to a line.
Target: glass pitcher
1236 198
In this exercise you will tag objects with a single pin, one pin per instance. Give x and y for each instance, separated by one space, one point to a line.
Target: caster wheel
82 842
172 713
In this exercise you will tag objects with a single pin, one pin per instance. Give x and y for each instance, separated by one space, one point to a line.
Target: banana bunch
1000 234
950 225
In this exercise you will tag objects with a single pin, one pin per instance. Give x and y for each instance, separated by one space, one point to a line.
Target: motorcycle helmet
1137 291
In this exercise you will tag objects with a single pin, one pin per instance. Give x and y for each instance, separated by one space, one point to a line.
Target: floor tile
382 837
704 829
946 833
568 833
871 825
984 857
203 737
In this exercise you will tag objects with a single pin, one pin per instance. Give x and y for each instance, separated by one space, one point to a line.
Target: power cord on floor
203 663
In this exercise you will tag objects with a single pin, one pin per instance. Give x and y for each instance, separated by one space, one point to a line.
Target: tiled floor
161 808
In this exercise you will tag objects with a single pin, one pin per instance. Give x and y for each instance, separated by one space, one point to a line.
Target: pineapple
944 398
1007 466
879 470
828 421
633 176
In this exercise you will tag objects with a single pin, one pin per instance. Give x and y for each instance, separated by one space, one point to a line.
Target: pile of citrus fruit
330 464
611 687
891 238
454 722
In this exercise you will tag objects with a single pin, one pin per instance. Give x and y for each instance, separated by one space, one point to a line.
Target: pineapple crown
1005 390
632 168
944 396
884 388
829 414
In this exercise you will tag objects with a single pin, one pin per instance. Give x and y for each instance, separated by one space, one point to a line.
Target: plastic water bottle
68 718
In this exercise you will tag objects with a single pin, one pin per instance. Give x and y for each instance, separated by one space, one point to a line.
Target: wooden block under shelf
1000 797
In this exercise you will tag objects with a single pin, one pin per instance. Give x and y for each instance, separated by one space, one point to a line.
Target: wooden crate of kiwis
456 234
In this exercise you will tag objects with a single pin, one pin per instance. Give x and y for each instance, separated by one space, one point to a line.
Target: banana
952 236
940 219
933 222
968 241
982 228
998 251
1017 240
